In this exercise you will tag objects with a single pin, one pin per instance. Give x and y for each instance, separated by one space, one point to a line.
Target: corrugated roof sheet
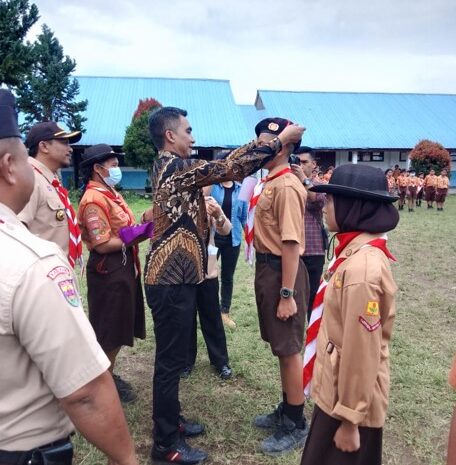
212 112
340 120
252 116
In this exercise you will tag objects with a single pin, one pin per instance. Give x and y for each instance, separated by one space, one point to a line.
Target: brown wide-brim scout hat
358 182
49 130
97 154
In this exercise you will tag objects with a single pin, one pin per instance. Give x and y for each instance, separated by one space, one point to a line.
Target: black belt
270 258
55 453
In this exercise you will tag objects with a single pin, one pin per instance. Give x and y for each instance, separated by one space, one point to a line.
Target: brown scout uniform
351 374
430 184
44 215
441 188
114 291
48 347
402 183
279 217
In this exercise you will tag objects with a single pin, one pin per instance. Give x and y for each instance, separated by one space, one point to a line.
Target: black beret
8 115
274 126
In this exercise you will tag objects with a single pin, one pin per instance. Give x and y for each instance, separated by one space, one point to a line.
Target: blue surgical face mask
115 176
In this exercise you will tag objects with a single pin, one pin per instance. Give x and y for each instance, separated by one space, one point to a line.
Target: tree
138 147
16 18
49 92
427 155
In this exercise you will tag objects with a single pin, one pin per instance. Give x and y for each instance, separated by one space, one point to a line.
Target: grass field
424 341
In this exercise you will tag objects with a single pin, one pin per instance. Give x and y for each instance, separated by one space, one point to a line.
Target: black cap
49 130
274 126
8 115
359 182
97 154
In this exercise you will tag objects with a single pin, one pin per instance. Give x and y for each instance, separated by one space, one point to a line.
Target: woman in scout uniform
353 316
441 189
430 183
114 292
412 190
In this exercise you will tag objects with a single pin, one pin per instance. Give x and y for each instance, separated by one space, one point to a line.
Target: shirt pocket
264 210
57 214
330 375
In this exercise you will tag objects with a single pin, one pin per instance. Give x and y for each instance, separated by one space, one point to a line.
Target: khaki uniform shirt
442 182
48 347
430 181
351 375
44 215
402 181
100 218
279 214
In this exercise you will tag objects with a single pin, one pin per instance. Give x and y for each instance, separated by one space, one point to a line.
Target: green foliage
49 92
138 147
16 18
427 155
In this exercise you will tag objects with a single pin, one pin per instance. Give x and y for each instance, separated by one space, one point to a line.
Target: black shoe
121 383
186 372
124 389
179 452
189 429
269 420
225 372
287 438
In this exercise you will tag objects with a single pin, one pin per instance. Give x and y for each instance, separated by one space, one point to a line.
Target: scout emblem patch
337 281
372 308
273 127
60 215
69 292
57 271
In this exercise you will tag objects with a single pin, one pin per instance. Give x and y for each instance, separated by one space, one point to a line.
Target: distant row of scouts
412 188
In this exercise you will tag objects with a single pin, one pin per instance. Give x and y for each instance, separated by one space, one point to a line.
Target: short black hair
160 121
305 149
33 151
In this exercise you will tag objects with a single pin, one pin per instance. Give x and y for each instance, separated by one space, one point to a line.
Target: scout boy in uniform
402 183
281 286
346 360
441 189
430 184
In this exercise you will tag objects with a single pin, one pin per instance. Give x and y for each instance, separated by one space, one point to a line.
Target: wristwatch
307 182
286 293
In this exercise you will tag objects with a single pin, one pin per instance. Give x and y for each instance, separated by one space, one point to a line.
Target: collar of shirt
167 154
353 246
44 170
8 216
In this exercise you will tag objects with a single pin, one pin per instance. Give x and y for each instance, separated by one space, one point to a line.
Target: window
453 157
364 156
403 156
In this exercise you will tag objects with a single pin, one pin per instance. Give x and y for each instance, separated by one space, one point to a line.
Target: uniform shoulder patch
69 292
372 308
57 271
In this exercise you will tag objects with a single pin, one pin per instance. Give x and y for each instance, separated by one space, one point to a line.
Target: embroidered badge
95 231
273 127
372 308
368 326
69 292
337 281
327 275
57 271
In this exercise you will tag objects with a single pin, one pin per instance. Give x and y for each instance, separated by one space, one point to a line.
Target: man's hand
291 134
286 309
347 437
213 208
298 172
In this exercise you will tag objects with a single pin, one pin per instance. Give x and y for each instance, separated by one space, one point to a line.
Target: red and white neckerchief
310 351
131 220
74 240
249 230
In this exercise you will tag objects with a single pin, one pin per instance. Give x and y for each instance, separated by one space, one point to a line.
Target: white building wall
391 158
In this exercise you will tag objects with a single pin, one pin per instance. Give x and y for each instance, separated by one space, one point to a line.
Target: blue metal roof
252 116
340 120
216 119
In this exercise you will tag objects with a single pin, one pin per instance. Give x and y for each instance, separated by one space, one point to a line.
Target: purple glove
132 235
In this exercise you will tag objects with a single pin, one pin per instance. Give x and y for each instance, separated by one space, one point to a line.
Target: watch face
285 293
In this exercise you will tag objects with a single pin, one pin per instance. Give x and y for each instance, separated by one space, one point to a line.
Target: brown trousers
321 450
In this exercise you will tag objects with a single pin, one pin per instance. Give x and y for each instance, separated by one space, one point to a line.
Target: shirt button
348 252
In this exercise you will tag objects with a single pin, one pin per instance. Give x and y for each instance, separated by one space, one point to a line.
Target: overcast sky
326 45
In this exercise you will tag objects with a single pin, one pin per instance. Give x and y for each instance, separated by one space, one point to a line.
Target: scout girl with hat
347 364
